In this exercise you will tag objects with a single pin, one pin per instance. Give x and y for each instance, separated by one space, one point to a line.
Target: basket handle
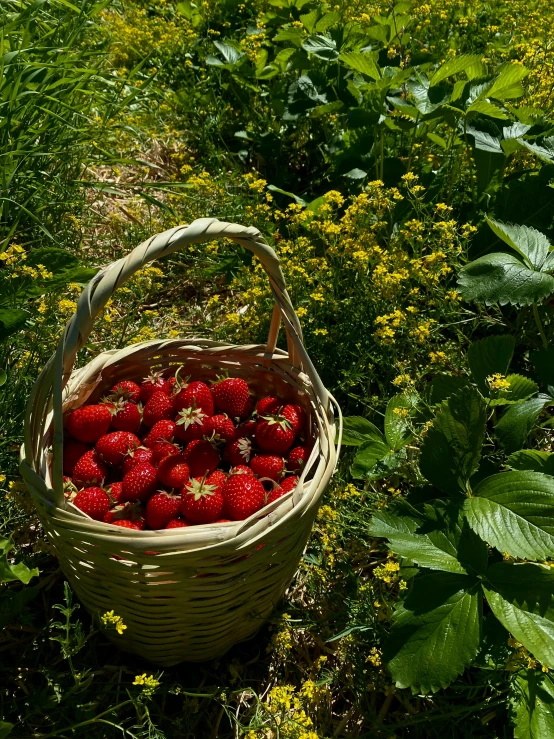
56 373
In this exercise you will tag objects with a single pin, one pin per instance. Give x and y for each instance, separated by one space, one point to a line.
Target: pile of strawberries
170 453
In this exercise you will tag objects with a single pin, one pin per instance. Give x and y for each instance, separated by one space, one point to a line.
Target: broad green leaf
455 66
3 377
436 631
514 512
374 460
294 35
485 141
532 460
322 47
309 20
328 20
483 107
506 84
10 572
529 243
11 321
443 386
357 431
503 278
489 356
452 447
5 729
397 425
361 62
228 52
532 703
515 425
520 388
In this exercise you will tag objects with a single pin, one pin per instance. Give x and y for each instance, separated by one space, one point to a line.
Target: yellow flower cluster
112 619
497 381
147 682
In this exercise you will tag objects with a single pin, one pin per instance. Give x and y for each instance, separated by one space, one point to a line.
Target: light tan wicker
184 594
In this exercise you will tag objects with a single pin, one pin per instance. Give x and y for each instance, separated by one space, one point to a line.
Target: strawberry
302 417
72 453
221 427
163 449
152 384
89 422
126 390
125 416
113 448
195 395
160 431
238 451
291 413
248 428
274 434
158 408
231 395
268 465
89 470
161 508
289 483
297 458
268 405
240 469
223 520
129 511
244 495
276 494
135 457
173 471
200 501
93 501
126 523
115 492
201 457
217 478
191 424
140 483
177 523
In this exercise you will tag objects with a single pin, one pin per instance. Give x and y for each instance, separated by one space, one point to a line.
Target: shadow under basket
191 593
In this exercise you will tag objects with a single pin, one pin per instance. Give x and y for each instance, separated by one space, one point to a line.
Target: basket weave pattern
184 594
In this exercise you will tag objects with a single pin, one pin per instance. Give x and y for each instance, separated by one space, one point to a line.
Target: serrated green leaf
228 52
12 572
357 431
532 702
483 107
322 47
426 650
532 460
489 356
455 66
529 243
515 425
12 320
520 388
294 35
309 20
326 21
374 460
452 447
514 512
506 85
397 426
442 386
361 62
503 278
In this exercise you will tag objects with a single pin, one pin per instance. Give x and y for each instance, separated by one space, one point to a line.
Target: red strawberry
152 384
160 431
290 412
94 502
274 434
191 424
136 457
127 390
72 453
297 458
302 418
173 471
231 396
201 457
240 469
89 470
268 405
238 451
248 428
158 408
130 511
164 449
244 495
268 465
177 523
195 395
140 483
217 478
125 416
89 422
115 492
276 494
221 427
161 508
126 523
113 448
201 502
289 483
224 520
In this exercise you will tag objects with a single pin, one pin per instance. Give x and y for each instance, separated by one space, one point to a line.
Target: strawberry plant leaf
452 448
520 388
532 703
503 278
529 243
357 431
443 386
532 460
488 357
322 47
11 321
361 62
425 650
12 572
514 426
514 512
456 65
397 419
5 729
375 460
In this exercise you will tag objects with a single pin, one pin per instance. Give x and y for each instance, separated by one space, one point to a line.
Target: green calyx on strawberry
201 502
189 416
274 434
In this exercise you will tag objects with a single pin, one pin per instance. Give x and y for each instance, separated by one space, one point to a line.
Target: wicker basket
192 593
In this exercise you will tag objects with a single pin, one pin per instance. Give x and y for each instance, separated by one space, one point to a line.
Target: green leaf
532 460
361 62
503 278
397 427
53 258
3 377
436 631
533 705
10 572
489 356
520 596
357 431
228 52
368 456
455 66
432 536
529 243
443 386
322 47
514 512
294 35
506 85
513 428
5 729
328 20
483 107
12 320
520 388
452 447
